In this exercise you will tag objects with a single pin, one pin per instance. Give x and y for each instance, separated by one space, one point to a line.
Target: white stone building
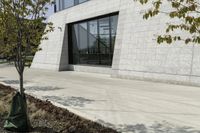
111 36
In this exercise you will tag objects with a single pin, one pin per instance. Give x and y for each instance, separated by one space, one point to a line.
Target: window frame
108 62
61 5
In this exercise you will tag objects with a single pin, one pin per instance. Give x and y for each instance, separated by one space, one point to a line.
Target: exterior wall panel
136 53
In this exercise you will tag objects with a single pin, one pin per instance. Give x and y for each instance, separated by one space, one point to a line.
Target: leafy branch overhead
26 17
187 12
22 27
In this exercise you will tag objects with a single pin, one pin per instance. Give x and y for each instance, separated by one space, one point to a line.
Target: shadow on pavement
42 88
12 82
162 127
70 101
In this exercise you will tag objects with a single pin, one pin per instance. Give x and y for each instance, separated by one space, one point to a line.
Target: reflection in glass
68 3
104 32
81 1
104 40
75 38
93 41
114 22
83 44
64 4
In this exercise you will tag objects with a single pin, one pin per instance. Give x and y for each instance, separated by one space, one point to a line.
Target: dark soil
47 118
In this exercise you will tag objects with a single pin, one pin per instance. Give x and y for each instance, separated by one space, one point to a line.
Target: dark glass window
92 42
81 1
104 40
68 3
113 22
83 43
64 4
75 38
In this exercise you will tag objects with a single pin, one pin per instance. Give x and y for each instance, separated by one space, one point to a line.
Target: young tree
22 24
186 11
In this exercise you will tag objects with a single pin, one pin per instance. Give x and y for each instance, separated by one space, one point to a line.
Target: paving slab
129 106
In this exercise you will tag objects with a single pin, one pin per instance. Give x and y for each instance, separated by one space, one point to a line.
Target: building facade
111 37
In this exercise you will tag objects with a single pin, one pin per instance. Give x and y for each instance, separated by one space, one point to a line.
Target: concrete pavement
126 105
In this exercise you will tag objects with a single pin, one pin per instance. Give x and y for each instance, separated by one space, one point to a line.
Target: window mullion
76 2
88 39
110 38
98 41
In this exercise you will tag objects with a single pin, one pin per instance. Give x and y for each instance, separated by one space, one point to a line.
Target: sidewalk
126 105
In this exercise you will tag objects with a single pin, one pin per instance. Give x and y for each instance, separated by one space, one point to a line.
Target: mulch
55 119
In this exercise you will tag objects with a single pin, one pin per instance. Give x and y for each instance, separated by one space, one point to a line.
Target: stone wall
54 53
136 55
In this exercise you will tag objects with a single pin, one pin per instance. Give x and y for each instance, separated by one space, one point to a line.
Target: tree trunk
21 78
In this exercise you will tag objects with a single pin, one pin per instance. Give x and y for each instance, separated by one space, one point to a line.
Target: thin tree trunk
20 58
21 68
21 77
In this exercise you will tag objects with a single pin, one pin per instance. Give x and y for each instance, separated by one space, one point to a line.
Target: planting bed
47 118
